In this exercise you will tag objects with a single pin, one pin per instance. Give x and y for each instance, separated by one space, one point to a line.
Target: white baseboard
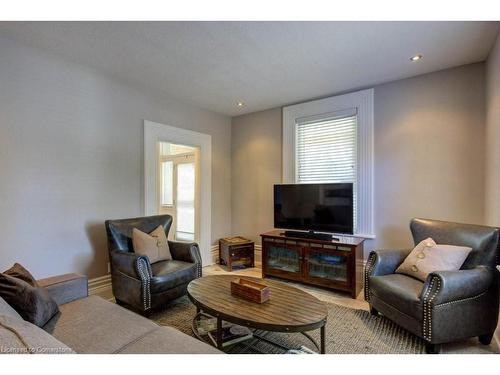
214 250
99 285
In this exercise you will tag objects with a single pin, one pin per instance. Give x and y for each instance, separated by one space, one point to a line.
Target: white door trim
154 133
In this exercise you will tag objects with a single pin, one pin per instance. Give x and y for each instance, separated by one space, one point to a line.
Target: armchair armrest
187 252
131 264
385 262
448 286
382 262
65 288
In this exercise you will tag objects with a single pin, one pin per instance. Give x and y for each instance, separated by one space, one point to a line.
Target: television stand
310 235
334 264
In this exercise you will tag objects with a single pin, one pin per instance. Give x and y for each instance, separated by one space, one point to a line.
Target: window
167 183
331 140
326 150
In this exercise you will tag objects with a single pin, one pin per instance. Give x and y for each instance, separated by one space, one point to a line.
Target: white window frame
362 101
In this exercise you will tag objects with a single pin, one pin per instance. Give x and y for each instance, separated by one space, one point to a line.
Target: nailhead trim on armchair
195 253
429 296
145 276
368 271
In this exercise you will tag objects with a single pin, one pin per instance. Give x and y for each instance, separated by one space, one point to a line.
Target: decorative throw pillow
428 257
33 303
19 272
153 245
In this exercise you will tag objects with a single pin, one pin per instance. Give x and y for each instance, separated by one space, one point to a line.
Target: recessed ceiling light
240 104
416 57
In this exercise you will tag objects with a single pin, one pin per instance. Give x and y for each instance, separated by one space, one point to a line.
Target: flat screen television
314 207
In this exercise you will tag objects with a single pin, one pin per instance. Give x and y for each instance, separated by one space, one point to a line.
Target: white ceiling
264 64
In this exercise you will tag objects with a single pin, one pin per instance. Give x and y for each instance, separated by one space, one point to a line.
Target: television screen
317 207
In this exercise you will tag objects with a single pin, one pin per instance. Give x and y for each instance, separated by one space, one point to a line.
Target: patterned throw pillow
153 245
428 257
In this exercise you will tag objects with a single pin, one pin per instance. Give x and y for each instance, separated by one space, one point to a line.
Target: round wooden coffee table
288 309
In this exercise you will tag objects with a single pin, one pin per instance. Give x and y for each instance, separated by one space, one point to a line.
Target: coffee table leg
322 338
219 333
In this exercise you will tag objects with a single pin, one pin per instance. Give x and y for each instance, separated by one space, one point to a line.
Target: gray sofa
90 324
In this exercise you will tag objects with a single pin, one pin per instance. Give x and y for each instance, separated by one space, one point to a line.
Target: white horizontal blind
326 150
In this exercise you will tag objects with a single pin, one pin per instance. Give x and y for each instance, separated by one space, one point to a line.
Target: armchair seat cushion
171 273
400 291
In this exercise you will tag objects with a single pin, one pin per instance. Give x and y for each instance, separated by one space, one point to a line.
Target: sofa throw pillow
428 257
34 304
154 245
19 272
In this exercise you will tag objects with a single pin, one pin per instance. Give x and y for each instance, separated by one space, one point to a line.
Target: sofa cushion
18 336
400 291
94 325
34 304
168 340
7 310
171 273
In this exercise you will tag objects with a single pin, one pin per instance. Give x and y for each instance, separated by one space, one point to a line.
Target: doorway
156 133
178 189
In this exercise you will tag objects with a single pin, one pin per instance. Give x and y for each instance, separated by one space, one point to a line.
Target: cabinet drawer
240 251
344 248
240 248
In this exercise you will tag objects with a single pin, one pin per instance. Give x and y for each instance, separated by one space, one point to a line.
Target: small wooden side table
236 252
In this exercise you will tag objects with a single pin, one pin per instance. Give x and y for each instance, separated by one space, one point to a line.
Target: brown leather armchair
138 283
448 306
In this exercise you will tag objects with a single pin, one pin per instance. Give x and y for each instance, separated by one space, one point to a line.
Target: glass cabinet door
327 266
283 258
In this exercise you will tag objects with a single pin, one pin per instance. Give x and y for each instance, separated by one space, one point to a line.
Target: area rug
348 331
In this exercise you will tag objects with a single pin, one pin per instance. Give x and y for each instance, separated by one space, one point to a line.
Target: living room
206 187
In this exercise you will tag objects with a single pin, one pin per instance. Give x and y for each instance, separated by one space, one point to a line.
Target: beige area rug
348 331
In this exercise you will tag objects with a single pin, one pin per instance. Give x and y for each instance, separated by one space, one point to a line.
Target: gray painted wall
71 156
256 167
429 156
493 136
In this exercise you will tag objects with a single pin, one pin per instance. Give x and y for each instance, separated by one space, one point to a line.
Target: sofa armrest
65 288
187 252
130 264
449 286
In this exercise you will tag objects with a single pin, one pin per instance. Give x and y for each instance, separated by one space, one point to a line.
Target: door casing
155 133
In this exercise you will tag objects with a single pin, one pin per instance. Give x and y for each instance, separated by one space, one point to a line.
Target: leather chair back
119 232
483 240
